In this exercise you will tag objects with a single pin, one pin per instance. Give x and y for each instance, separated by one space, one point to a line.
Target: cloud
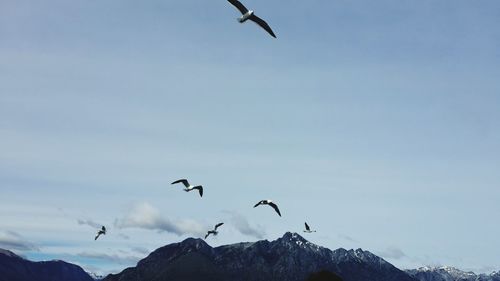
392 253
124 236
243 226
146 216
13 241
124 260
140 250
347 237
91 223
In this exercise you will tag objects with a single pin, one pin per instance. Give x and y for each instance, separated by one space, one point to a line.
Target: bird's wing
262 24
239 6
184 182
200 189
217 225
103 228
206 235
275 207
260 202
307 226
97 236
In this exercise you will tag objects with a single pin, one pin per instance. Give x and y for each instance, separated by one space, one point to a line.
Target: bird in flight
308 229
189 187
102 231
214 232
270 203
250 15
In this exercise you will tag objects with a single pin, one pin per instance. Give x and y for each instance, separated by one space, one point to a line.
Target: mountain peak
293 236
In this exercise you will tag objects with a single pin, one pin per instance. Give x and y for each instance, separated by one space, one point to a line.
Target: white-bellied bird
102 231
270 203
308 229
189 187
250 15
214 232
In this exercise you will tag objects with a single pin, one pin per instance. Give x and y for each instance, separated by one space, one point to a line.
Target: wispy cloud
347 237
146 216
125 259
11 240
140 250
88 222
392 253
241 224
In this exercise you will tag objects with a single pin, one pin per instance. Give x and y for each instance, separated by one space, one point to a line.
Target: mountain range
289 258
16 268
447 273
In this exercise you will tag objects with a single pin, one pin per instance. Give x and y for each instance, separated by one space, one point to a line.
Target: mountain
16 268
289 258
447 273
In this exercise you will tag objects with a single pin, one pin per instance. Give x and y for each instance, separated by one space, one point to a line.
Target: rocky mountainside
15 268
289 258
447 273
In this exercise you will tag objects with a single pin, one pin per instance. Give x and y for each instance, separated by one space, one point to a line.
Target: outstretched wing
275 207
238 6
184 182
200 189
262 24
217 225
307 226
97 236
260 202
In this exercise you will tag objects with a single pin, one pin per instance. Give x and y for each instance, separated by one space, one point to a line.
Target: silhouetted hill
15 268
289 258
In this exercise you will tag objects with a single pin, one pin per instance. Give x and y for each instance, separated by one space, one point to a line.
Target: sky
377 122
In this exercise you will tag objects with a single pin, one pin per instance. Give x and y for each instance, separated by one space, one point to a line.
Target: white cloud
241 224
13 241
146 216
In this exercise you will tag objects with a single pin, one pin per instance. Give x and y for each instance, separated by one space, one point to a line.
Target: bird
308 229
250 15
190 187
270 203
101 231
214 232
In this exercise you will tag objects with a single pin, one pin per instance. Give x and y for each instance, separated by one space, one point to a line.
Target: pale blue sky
375 121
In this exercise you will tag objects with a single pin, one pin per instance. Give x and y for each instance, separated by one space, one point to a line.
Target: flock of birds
189 187
246 15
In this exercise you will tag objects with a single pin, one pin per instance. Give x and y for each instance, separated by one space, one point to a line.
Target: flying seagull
270 203
308 229
214 232
101 231
190 187
249 15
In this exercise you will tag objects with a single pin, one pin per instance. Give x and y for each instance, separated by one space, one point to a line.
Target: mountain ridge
16 268
290 258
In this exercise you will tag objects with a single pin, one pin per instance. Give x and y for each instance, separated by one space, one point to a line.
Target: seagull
214 232
270 203
101 231
308 229
190 187
249 15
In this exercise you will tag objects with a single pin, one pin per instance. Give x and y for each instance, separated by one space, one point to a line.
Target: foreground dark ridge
289 258
15 268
